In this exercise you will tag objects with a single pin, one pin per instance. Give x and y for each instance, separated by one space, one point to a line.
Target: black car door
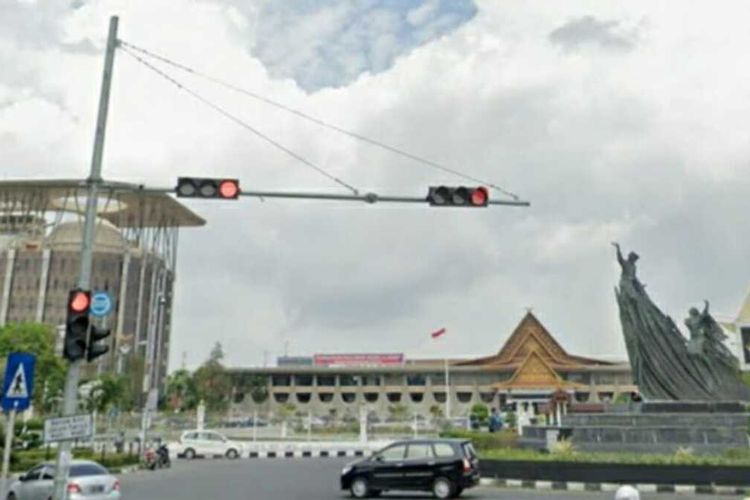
419 466
388 468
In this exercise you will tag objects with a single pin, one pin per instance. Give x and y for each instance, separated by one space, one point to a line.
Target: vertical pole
447 393
255 425
70 403
309 426
9 429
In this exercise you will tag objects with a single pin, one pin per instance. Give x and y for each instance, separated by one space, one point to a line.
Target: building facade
134 259
528 369
38 270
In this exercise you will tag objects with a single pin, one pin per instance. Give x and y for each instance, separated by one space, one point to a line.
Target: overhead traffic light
458 196
94 350
201 187
77 324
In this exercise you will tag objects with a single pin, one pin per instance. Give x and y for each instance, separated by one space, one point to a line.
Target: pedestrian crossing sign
19 381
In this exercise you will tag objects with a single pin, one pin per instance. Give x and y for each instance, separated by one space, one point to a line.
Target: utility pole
70 398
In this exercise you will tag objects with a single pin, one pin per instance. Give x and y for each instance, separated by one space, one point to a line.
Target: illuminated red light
229 189
479 196
79 302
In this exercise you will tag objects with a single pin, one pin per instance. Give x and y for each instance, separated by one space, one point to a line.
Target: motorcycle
157 458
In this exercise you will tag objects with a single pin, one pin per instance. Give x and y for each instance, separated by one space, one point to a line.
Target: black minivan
446 467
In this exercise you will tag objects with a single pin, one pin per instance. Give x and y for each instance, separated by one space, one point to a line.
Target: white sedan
207 444
86 480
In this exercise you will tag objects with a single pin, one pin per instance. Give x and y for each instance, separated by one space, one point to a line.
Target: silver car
87 481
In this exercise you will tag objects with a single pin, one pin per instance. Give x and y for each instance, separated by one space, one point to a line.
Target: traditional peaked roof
535 373
743 316
530 336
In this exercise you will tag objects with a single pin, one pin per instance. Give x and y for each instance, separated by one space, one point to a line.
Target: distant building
738 331
529 368
134 261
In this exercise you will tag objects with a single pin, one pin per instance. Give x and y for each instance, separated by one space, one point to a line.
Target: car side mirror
377 458
23 478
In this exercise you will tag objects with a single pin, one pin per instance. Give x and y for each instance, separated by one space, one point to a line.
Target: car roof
432 441
75 461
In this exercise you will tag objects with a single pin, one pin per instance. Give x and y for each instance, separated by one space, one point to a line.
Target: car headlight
346 470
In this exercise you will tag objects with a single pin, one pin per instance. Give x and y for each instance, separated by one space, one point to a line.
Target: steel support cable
318 121
238 121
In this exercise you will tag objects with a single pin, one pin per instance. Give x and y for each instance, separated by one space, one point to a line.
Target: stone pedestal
661 427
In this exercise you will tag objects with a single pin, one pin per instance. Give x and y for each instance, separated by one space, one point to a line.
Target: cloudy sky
618 120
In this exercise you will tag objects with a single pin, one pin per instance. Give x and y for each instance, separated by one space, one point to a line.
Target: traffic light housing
203 187
77 324
94 349
458 196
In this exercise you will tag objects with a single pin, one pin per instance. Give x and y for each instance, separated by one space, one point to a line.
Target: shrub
485 441
563 447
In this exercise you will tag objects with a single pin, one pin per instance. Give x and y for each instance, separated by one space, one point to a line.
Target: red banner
358 359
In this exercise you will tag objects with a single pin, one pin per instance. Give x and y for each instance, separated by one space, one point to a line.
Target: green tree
253 384
182 392
212 381
108 391
40 340
481 413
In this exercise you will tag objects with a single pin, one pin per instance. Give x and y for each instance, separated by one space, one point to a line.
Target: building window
371 380
281 397
371 397
416 397
437 379
303 380
281 380
394 397
416 379
348 397
303 397
325 397
326 380
464 397
487 397
347 380
439 396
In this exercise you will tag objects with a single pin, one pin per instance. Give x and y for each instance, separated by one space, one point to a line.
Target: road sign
19 381
68 428
101 304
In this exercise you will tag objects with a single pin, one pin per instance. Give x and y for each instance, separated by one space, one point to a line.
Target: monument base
661 427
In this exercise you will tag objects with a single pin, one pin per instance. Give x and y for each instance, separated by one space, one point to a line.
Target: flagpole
447 392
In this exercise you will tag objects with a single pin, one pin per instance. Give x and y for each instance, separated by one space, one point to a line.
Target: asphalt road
304 479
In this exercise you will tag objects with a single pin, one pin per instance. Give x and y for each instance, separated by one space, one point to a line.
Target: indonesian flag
437 333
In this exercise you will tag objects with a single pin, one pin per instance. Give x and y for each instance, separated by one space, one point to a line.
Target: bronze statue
666 366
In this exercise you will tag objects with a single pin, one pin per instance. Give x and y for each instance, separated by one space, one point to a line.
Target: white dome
67 236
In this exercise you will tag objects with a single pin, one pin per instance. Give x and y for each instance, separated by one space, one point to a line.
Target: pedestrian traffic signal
77 324
458 196
199 187
94 350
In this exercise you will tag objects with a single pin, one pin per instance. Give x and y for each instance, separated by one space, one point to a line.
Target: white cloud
644 145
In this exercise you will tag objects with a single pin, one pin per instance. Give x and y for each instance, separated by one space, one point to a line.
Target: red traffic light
480 197
229 189
79 301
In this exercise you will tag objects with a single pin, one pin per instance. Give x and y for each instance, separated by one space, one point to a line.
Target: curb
643 488
307 454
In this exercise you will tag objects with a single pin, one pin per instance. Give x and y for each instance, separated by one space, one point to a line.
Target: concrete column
121 298
10 261
46 253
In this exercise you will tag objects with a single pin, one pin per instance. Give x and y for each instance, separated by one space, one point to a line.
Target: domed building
134 257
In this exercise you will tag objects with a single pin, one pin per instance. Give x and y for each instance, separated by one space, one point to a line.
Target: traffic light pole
70 398
303 195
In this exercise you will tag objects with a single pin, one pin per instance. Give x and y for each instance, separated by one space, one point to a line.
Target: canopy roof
124 205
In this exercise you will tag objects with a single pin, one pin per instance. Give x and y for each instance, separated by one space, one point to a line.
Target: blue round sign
101 304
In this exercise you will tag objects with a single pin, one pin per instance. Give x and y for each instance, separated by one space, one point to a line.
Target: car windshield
91 469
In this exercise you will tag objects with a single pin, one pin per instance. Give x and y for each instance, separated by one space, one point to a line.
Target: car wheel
232 454
189 454
360 488
442 488
11 496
